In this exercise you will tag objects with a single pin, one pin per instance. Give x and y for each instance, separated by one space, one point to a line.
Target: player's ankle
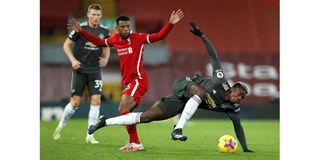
136 142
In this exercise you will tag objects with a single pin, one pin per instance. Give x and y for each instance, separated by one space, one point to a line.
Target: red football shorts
136 88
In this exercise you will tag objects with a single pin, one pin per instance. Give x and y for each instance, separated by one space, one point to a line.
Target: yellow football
227 144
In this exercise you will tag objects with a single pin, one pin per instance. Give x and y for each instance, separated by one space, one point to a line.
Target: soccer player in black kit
86 60
189 94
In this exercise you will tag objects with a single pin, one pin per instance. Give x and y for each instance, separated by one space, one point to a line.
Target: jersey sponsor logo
210 101
124 51
90 46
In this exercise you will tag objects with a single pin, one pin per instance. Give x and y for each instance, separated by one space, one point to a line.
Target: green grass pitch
262 137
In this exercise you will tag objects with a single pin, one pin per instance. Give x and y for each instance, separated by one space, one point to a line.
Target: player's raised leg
69 110
152 114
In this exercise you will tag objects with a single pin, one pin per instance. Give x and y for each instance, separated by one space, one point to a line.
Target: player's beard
125 36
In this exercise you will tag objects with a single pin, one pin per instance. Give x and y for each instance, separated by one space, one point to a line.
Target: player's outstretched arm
175 17
211 50
75 25
235 117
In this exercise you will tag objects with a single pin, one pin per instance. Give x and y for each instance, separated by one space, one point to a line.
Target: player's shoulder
114 37
138 35
104 27
84 24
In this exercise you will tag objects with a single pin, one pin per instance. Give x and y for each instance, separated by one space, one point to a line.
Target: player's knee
75 103
95 101
202 94
123 110
144 118
197 90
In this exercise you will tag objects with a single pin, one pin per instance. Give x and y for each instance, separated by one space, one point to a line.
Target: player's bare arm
105 57
67 47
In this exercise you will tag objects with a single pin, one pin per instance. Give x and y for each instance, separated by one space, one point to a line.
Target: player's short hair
95 6
241 86
122 18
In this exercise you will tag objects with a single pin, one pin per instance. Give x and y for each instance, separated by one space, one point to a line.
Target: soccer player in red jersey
129 47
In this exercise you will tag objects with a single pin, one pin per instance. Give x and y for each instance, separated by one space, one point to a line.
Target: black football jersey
86 52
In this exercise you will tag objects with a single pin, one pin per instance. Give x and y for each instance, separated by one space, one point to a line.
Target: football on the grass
227 144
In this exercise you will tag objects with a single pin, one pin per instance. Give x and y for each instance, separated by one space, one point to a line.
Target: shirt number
99 84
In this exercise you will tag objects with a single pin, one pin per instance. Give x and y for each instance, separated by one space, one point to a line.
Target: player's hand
195 29
75 64
75 25
176 16
103 62
248 150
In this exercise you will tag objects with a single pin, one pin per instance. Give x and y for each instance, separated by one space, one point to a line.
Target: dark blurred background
244 32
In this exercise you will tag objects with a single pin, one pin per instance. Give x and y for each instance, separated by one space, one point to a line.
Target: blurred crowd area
244 32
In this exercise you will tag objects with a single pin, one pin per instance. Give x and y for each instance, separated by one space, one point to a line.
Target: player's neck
123 38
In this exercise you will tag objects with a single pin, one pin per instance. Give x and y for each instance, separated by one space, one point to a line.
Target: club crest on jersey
214 91
188 79
130 50
101 36
129 41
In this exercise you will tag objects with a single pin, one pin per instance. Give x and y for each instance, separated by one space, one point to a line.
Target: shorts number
127 87
99 84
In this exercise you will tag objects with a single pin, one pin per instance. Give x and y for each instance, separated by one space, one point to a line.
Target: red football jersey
130 52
